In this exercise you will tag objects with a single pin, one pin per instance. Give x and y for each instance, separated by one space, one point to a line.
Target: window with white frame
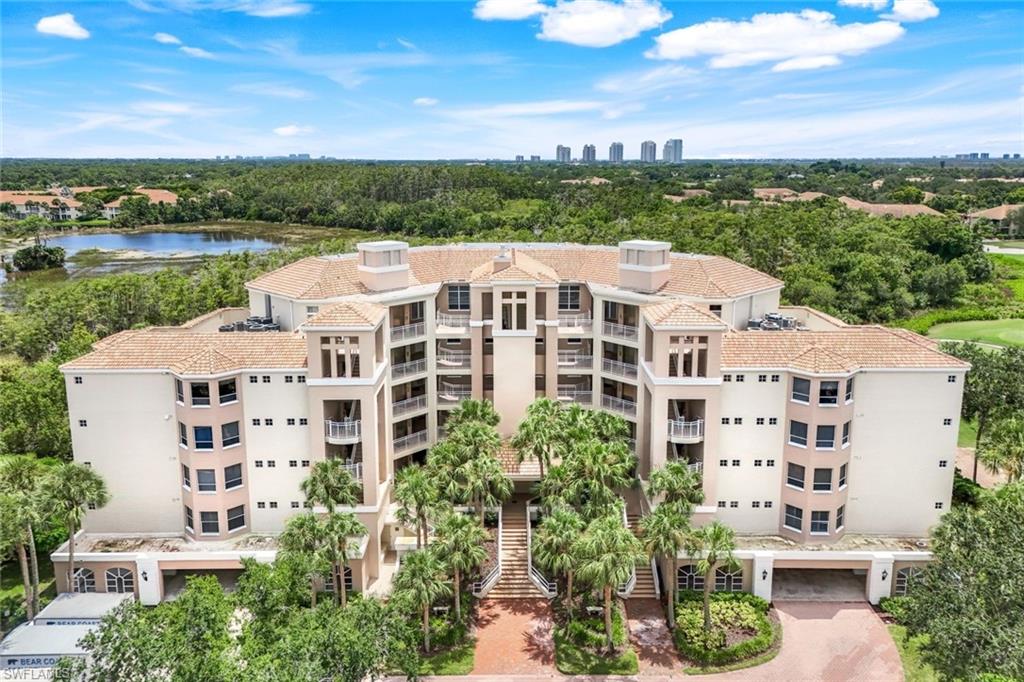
232 476
84 580
794 518
905 577
689 578
849 390
203 437
120 580
188 518
797 433
186 478
312 310
842 476
795 475
230 434
819 522
568 296
206 480
801 392
179 391
728 581
840 518
828 393
182 434
210 522
458 297
846 434
825 437
236 517
227 391
822 480
200 392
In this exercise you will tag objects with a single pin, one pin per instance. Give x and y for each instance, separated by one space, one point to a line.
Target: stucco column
151 580
880 577
764 563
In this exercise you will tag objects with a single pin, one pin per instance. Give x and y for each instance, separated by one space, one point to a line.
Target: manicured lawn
914 668
995 332
571 659
12 592
455 661
968 433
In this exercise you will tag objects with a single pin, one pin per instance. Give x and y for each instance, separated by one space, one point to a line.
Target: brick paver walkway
514 636
651 637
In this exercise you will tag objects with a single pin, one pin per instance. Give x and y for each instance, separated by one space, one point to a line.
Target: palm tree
305 537
443 464
330 485
553 489
460 541
556 546
608 427
12 535
537 433
342 529
712 546
1003 448
21 475
422 578
596 470
485 483
663 534
68 490
416 494
468 411
609 555
677 483
573 426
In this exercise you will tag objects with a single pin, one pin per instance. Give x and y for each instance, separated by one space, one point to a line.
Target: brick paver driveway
514 636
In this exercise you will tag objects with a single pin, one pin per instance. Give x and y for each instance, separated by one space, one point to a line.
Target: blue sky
495 78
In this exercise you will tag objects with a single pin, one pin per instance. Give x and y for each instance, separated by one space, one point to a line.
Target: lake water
162 243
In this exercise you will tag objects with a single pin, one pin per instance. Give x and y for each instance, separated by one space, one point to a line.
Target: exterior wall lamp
764 574
885 575
145 577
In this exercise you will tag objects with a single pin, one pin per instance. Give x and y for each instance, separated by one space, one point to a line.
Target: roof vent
384 265
503 259
644 265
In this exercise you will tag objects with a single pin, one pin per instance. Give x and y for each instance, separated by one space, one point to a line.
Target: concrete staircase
515 575
644 576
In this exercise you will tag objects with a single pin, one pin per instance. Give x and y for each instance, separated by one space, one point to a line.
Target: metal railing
453 359
347 430
620 331
448 392
548 588
408 331
678 428
408 368
412 440
582 320
483 586
619 368
452 320
626 588
625 407
355 469
571 358
575 395
401 407
695 466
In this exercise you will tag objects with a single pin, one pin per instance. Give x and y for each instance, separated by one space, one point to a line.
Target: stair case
646 585
515 580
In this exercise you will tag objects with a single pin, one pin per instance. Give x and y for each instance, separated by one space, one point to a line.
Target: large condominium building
563 154
673 151
615 152
826 446
589 153
648 151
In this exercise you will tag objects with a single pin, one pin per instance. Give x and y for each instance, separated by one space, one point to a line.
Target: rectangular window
756 504
716 309
741 377
950 379
568 296
798 433
266 378
229 434
776 378
255 422
725 421
819 523
78 380
188 519
721 504
801 390
300 379
772 421
795 475
842 476
723 462
303 421
183 434
794 518
734 504
312 310
290 421
186 477
254 379
289 379
261 505
200 392
758 462
268 422
825 438
211 525
236 518
846 434
203 437
227 391
762 378
828 393
768 504
232 476
726 377
273 505
840 518
179 391
849 390
735 462
759 421
458 297
822 480
207 480
737 421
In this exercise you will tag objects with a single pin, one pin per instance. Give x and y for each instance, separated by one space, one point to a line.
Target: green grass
1009 243
995 332
914 667
968 434
455 661
12 591
571 659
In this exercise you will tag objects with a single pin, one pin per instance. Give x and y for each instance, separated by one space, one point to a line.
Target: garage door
819 584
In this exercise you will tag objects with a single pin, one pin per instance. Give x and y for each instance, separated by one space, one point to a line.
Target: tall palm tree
554 488
422 578
677 483
460 540
712 546
610 552
573 426
13 536
596 470
416 495
556 546
305 537
21 475
485 483
68 490
537 433
443 464
343 531
479 411
330 485
609 427
1002 450
663 533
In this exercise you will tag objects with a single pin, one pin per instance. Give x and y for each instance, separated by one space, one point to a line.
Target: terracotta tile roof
997 212
187 352
804 196
841 350
349 314
773 192
685 194
679 314
316 278
21 198
522 268
894 210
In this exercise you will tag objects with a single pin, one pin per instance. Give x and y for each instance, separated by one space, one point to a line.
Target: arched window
329 580
84 580
904 578
728 581
120 580
689 578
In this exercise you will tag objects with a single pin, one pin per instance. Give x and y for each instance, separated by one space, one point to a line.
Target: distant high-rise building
648 151
534 157
589 153
615 152
1016 156
563 154
984 155
673 151
519 158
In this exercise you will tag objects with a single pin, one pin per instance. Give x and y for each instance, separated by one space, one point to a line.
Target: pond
157 244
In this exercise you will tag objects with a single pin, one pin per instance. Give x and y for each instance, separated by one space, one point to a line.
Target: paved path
651 637
965 461
514 636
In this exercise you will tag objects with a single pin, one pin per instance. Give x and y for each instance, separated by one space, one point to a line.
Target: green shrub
729 611
965 491
38 257
445 633
895 607
589 632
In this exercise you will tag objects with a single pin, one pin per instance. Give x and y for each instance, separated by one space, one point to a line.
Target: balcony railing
401 407
355 469
620 331
340 433
453 359
452 320
571 358
622 369
680 431
575 320
575 395
408 368
619 405
453 393
412 440
408 331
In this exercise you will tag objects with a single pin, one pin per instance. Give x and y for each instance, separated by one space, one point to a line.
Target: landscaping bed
491 547
744 631
581 647
452 648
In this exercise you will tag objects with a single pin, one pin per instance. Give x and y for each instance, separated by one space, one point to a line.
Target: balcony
408 405
626 408
452 323
408 331
571 358
408 369
448 393
575 321
411 442
620 331
457 359
343 432
618 368
572 394
355 469
685 432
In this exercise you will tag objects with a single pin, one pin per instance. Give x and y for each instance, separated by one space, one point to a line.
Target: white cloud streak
586 23
912 10
425 101
166 38
63 26
278 90
293 130
876 5
197 52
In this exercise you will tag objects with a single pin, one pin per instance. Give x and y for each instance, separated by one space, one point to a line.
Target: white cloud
510 10
912 10
163 108
876 5
425 101
407 44
659 78
150 87
63 25
806 40
166 39
292 130
196 52
272 90
268 9
273 9
539 108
